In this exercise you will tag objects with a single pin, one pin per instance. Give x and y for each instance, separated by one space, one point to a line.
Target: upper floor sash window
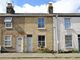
8 22
41 23
67 23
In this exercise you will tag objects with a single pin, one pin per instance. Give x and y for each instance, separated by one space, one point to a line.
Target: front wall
1 26
75 30
31 27
17 23
28 25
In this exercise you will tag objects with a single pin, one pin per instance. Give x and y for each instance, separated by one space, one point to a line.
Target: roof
66 14
26 14
43 14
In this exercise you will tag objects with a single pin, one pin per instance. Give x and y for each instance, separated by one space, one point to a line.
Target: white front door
29 43
19 44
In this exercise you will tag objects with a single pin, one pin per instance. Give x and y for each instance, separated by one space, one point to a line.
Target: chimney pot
9 8
50 8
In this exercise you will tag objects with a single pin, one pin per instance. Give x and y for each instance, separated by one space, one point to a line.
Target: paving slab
39 55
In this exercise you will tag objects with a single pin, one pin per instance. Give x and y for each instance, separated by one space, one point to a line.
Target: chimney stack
10 9
50 8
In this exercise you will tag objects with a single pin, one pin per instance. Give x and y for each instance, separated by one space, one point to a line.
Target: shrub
61 51
69 51
44 50
75 51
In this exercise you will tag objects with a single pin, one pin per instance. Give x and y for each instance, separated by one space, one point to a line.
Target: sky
41 6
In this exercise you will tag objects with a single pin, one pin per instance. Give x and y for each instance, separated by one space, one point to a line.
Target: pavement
39 56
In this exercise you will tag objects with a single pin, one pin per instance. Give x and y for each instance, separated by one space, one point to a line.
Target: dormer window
8 22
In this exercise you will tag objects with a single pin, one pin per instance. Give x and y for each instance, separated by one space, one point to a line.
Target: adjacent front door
79 41
19 44
29 43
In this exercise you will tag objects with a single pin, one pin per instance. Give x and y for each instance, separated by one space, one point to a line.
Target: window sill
8 46
68 47
8 27
41 28
68 28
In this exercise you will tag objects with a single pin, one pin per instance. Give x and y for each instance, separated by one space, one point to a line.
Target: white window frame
44 41
67 23
68 42
41 22
8 40
8 20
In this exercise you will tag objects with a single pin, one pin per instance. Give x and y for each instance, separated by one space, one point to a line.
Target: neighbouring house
25 32
66 31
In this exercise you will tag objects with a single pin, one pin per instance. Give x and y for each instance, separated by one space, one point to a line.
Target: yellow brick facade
25 25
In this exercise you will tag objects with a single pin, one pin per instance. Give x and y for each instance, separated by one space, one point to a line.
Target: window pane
39 25
68 40
39 44
43 44
67 23
7 38
7 41
41 41
8 19
8 24
39 38
40 22
43 38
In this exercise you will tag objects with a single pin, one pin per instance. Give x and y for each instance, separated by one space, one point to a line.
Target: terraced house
67 31
25 32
